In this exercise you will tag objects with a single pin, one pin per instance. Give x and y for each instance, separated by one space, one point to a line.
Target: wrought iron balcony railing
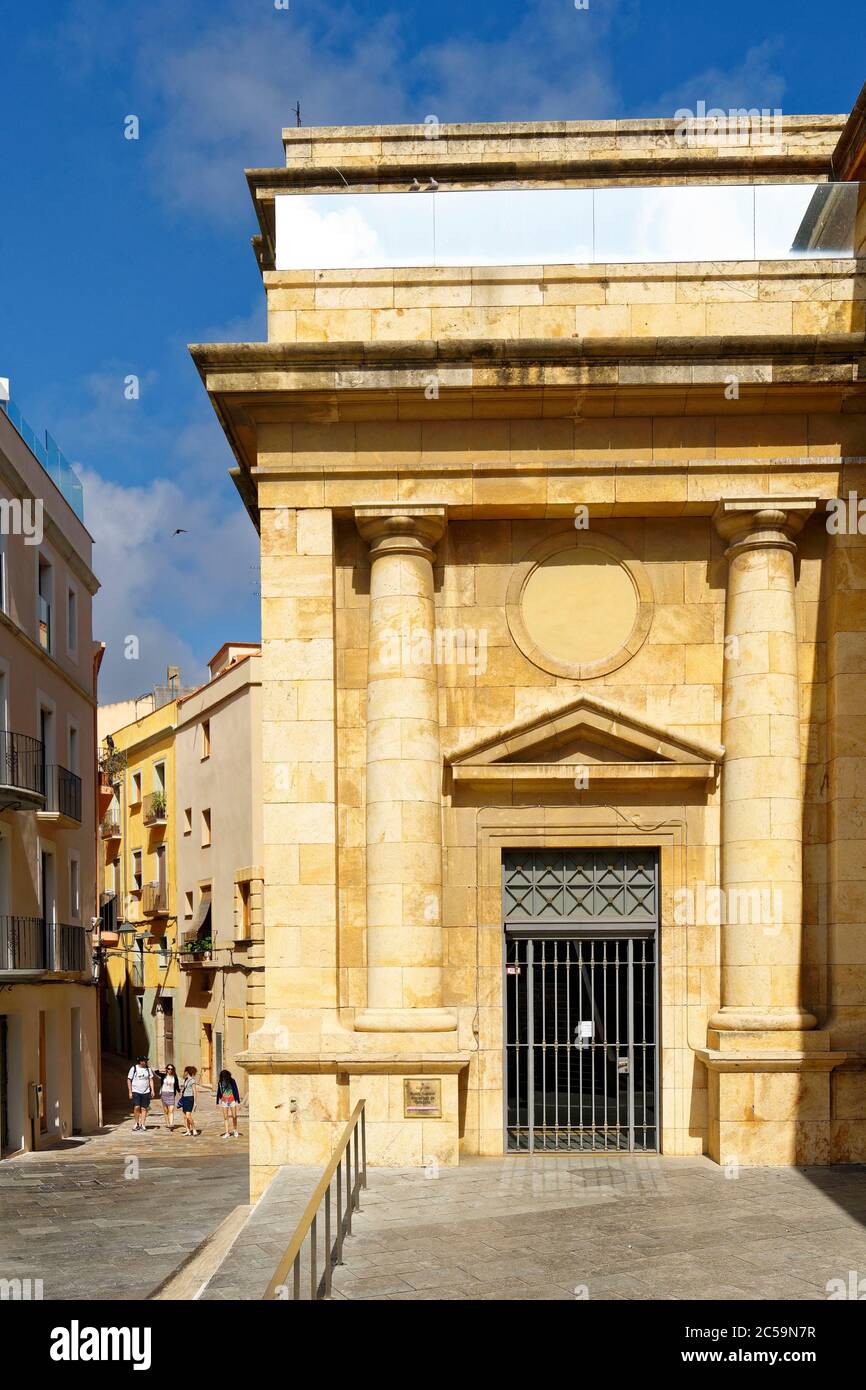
30 944
72 947
22 771
109 828
23 944
62 793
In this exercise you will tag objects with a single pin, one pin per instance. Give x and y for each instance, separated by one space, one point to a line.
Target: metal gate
581 932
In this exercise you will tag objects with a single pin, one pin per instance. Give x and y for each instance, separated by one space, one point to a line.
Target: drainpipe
98 654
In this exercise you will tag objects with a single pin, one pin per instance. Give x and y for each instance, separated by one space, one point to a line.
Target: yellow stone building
139 899
563 639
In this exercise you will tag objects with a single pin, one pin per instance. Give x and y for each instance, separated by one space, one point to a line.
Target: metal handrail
353 1136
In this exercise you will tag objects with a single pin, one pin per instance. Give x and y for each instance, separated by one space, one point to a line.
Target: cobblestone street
112 1216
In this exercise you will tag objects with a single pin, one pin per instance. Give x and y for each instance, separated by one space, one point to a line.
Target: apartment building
48 672
138 866
219 874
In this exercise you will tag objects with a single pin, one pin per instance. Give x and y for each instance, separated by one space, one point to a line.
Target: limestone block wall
675 680
689 299
845 819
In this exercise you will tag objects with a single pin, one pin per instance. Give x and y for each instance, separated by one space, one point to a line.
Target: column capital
401 530
762 523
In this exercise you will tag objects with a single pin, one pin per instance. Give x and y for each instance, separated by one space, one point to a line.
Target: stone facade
653 449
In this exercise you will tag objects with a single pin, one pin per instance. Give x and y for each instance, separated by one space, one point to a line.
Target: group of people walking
179 1093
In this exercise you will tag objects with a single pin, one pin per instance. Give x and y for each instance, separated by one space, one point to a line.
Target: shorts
141 1100
226 1104
186 1103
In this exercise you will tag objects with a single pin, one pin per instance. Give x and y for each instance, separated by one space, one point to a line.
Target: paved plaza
539 1228
113 1216
605 1228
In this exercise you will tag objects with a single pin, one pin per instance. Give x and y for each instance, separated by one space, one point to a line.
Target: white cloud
160 587
752 83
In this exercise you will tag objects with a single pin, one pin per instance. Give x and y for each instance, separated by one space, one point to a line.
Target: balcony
155 809
109 826
23 945
72 948
196 953
108 933
31 946
62 797
154 901
22 772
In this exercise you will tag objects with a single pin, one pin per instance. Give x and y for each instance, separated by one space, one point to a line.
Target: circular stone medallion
578 608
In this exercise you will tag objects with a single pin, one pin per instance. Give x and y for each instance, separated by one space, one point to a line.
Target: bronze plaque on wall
422 1098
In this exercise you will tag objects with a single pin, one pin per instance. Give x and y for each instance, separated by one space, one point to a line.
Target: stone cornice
849 157
245 359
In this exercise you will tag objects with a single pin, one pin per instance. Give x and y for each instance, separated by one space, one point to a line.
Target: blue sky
114 254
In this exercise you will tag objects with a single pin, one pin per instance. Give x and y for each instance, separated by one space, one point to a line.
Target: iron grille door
581 1000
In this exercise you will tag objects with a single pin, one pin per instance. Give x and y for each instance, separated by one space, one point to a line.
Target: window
44 603
187 904
136 871
205 828
73 748
135 794
244 911
74 887
205 739
187 820
46 731
161 874
159 777
71 621
4 596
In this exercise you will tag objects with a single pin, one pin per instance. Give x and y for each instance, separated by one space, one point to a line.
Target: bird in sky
181 531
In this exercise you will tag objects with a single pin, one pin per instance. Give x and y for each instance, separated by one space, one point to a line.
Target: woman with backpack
227 1096
186 1101
168 1093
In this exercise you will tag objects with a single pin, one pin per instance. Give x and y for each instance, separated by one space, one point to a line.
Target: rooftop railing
58 468
566 226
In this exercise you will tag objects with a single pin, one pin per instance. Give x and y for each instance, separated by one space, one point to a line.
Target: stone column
404 776
762 795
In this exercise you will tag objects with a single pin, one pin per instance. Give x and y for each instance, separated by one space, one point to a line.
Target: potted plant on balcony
199 949
158 806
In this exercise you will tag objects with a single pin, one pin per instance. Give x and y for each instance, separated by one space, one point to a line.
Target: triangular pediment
610 742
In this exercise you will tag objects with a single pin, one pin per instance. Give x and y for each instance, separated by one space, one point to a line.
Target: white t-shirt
141 1078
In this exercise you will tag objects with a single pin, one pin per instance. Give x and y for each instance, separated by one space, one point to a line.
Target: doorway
581 990
4 1086
75 1060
